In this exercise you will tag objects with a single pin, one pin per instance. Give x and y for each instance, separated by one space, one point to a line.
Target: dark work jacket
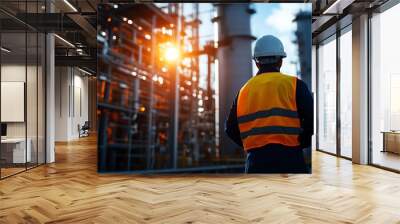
305 109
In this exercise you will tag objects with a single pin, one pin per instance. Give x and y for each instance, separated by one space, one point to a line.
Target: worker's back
267 111
272 116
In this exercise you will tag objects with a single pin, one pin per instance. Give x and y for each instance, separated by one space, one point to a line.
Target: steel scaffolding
153 114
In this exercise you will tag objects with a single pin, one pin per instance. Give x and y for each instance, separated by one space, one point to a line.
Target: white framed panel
12 101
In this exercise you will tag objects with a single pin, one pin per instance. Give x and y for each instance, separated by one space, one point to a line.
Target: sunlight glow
171 53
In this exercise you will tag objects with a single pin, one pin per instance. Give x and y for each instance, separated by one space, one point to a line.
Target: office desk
391 141
13 150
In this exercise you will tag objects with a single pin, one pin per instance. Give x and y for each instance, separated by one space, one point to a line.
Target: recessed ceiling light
5 50
70 5
84 71
65 41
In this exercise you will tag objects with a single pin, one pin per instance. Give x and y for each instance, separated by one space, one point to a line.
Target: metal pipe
195 86
174 121
234 61
150 145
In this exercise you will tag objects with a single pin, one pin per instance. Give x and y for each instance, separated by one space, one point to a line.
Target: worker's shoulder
251 81
278 76
288 76
248 83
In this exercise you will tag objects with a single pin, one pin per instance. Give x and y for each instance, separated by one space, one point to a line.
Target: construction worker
272 115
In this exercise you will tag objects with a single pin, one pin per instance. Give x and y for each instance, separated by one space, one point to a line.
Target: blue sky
270 18
277 19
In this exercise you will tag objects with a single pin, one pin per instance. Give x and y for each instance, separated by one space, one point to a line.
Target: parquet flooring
10 171
70 191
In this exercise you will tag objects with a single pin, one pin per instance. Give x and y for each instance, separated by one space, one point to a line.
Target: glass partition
22 87
385 89
14 153
314 90
346 93
327 95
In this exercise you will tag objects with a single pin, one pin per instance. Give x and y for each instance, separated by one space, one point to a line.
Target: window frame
333 37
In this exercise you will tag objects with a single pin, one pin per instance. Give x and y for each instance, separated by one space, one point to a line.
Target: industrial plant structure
303 40
152 112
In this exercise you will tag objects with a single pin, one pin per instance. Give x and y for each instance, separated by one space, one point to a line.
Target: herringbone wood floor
70 191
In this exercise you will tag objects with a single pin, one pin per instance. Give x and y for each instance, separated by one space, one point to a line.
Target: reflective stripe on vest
267 111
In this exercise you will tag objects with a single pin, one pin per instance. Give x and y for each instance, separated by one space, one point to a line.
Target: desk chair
84 130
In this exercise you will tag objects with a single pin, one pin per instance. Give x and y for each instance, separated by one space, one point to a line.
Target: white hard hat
268 45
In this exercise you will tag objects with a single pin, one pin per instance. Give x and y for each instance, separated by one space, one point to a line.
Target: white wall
81 102
13 73
33 126
62 82
71 102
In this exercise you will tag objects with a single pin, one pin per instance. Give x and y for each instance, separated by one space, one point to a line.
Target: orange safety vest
267 111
